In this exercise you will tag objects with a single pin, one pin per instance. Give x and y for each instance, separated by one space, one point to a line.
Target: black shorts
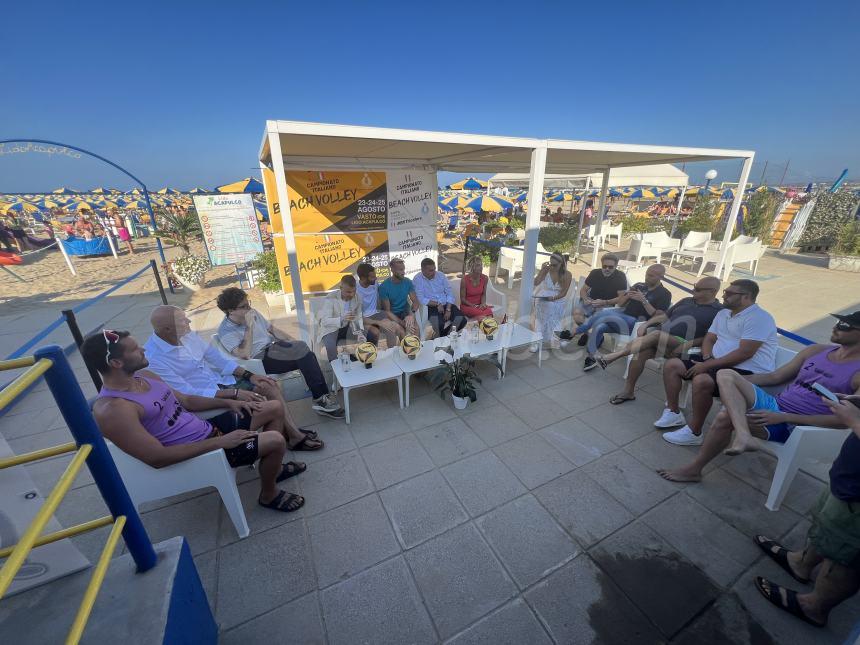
245 453
697 358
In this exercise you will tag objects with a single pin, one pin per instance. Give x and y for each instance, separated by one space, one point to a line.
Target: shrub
848 241
703 218
832 211
559 238
270 273
761 212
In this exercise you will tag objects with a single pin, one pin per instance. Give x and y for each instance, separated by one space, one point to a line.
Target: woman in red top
473 291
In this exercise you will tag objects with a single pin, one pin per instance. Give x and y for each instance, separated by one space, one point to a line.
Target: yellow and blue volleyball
411 345
366 353
489 326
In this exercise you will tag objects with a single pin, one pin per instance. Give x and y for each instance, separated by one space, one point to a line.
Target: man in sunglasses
144 417
749 410
245 333
742 338
669 334
604 287
189 364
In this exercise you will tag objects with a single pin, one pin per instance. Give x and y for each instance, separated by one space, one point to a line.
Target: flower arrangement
191 268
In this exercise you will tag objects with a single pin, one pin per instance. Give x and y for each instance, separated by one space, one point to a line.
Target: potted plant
458 376
180 229
269 277
190 270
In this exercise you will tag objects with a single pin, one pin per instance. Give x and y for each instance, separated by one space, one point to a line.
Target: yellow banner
324 259
337 201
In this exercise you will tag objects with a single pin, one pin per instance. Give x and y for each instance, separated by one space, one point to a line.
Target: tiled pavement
534 516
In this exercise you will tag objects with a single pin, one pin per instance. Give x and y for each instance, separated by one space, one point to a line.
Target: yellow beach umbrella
491 204
469 183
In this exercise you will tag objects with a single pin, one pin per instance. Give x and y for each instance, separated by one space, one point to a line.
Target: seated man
642 301
397 296
245 333
742 337
604 287
434 291
386 323
188 364
670 334
139 413
341 319
748 409
832 543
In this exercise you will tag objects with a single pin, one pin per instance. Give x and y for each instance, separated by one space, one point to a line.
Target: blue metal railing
782 332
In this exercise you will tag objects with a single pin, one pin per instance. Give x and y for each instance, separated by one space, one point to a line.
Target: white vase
188 285
460 402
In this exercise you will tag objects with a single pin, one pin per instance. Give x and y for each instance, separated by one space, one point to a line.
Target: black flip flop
280 504
291 469
618 400
771 592
310 434
778 554
302 446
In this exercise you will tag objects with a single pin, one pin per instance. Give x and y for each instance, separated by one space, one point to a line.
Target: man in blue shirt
397 295
434 291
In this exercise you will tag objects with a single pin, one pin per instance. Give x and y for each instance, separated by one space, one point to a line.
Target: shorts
835 531
697 358
122 231
246 453
778 432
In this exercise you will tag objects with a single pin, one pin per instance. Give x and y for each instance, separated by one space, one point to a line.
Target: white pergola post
601 204
289 237
533 204
733 214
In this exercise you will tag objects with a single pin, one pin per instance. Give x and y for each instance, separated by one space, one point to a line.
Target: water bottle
344 360
476 334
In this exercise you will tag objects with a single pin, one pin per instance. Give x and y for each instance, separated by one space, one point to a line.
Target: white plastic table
514 335
385 368
423 362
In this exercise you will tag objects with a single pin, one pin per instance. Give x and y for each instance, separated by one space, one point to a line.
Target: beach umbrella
492 203
48 203
99 191
262 211
696 191
561 197
642 193
111 203
65 191
469 183
134 191
136 204
728 193
198 191
446 207
21 206
167 191
456 201
247 185
82 205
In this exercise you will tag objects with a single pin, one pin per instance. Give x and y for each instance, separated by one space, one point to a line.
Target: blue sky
179 92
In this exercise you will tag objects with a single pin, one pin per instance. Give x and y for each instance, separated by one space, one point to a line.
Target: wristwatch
247 375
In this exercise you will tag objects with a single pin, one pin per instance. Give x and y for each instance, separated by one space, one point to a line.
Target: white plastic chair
495 298
651 245
145 483
693 247
315 303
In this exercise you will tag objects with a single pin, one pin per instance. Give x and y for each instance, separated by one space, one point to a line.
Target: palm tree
180 229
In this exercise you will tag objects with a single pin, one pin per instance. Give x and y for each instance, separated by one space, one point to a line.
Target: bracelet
235 392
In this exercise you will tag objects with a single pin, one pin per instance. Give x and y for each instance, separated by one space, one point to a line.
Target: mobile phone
823 391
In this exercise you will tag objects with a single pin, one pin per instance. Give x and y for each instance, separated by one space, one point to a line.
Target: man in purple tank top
748 410
150 421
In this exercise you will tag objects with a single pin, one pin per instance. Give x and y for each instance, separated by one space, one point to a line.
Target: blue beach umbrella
469 183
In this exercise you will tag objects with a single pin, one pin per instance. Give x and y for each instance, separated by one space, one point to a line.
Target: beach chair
651 245
145 483
693 248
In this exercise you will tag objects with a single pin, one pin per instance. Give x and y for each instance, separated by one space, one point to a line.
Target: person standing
434 291
122 231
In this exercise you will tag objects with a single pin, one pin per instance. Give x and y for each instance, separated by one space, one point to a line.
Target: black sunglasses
608 266
844 326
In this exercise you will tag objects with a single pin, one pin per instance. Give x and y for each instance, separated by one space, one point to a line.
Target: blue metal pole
76 412
155 228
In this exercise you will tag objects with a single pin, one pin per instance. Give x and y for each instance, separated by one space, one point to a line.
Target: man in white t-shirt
388 325
742 338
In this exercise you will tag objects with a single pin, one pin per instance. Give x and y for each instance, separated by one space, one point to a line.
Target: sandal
304 446
288 505
291 469
310 434
601 361
618 399
771 591
778 554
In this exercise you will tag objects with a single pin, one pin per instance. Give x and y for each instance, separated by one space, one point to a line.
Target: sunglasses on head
844 326
111 338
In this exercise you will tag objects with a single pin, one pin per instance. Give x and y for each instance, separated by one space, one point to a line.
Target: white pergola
296 145
663 175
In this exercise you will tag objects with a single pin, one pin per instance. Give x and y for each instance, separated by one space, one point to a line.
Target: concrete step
166 604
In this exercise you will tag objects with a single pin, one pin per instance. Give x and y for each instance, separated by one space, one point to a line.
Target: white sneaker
670 419
684 437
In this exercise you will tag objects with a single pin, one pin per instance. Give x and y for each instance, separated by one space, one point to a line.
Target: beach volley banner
341 219
230 228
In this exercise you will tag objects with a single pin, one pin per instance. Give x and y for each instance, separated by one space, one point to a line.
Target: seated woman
473 291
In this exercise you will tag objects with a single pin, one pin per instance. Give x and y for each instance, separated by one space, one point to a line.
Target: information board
230 228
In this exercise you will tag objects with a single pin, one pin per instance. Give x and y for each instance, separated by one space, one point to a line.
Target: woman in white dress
551 286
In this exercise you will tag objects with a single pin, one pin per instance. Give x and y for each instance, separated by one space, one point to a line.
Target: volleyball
411 345
366 353
489 326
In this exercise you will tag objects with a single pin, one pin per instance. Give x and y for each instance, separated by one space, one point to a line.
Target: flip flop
618 399
302 446
310 434
287 505
778 554
601 361
771 592
291 469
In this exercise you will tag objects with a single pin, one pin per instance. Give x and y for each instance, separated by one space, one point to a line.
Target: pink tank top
473 293
163 416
